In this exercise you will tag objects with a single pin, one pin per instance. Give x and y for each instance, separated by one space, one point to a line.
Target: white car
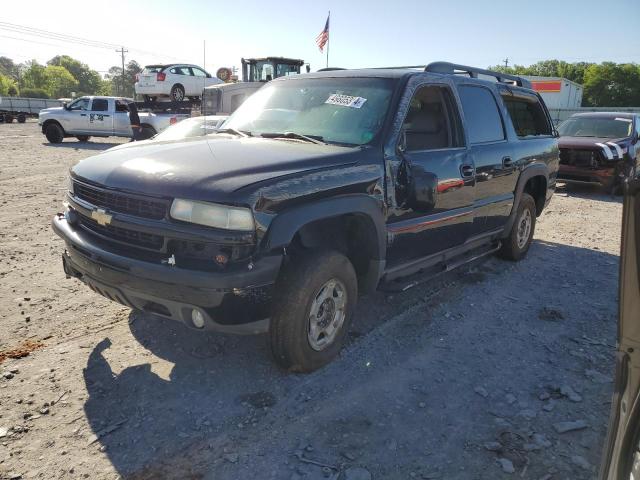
177 81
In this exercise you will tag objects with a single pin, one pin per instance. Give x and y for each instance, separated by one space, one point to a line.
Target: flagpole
329 37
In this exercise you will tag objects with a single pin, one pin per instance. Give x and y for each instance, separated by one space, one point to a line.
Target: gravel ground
474 375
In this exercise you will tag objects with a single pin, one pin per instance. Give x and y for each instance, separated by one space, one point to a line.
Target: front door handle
467 170
83 114
507 162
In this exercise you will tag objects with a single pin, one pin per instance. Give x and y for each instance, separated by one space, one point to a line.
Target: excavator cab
268 68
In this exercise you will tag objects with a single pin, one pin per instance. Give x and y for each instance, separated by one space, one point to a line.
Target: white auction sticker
345 100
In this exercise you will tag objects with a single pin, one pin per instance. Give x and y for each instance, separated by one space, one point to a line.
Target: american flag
323 38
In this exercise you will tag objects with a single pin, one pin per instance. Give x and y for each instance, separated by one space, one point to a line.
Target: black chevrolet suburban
319 187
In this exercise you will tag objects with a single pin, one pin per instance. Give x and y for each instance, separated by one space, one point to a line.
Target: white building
557 93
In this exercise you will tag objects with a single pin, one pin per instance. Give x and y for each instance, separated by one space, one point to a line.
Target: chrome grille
121 202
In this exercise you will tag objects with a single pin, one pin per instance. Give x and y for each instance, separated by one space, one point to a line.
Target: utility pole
122 51
506 62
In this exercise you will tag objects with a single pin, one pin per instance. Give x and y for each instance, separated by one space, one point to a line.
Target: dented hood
206 168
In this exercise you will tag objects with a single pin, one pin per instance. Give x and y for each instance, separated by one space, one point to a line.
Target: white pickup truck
100 117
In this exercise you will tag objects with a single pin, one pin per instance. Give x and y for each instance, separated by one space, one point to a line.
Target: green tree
8 68
59 82
114 77
612 85
89 81
8 86
33 75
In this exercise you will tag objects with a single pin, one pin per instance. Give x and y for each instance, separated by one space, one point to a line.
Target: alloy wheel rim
327 314
524 228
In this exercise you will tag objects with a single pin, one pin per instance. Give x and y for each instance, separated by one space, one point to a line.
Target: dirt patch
21 351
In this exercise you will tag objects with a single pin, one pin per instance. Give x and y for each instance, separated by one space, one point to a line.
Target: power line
54 36
59 37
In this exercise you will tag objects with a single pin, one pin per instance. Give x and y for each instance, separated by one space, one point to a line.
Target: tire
177 93
22 118
8 118
323 282
148 98
54 133
83 138
147 132
516 245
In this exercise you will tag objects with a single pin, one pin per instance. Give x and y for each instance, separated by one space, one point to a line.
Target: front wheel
83 138
312 310
54 133
516 245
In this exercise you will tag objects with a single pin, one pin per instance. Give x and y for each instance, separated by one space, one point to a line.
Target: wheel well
143 125
537 188
353 235
177 85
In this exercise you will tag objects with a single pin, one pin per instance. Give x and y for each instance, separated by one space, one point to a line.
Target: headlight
212 215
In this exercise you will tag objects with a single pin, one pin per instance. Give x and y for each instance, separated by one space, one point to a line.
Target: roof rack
455 69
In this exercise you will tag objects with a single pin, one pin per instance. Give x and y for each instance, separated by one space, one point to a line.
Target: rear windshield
596 127
153 68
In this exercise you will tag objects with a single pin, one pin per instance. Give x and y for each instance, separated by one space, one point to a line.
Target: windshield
596 127
191 127
336 110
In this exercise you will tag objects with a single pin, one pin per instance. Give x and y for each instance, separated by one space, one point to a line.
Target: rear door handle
83 114
467 170
507 162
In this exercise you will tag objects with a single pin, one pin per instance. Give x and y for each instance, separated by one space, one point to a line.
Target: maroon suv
599 148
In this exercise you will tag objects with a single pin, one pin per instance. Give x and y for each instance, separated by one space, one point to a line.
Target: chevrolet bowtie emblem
101 216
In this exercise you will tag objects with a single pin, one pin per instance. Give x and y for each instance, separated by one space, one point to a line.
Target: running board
429 273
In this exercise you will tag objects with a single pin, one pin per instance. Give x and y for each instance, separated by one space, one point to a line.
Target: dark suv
319 187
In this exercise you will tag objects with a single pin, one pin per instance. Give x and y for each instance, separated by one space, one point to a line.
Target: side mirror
65 105
208 75
634 137
422 189
308 68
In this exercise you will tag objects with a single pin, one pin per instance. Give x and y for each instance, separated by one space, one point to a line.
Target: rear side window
481 114
527 115
99 105
181 71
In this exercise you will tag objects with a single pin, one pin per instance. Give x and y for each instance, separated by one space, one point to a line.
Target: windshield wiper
317 139
234 132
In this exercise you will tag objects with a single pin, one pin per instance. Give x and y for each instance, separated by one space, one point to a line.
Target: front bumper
234 301
605 177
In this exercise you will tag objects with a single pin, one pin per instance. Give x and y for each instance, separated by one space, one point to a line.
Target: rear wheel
148 98
516 245
22 118
147 132
83 138
54 133
177 93
8 118
312 311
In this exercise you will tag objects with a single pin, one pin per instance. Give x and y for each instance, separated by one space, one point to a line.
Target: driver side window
80 104
432 122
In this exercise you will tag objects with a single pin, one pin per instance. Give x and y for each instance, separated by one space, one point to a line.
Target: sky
362 33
